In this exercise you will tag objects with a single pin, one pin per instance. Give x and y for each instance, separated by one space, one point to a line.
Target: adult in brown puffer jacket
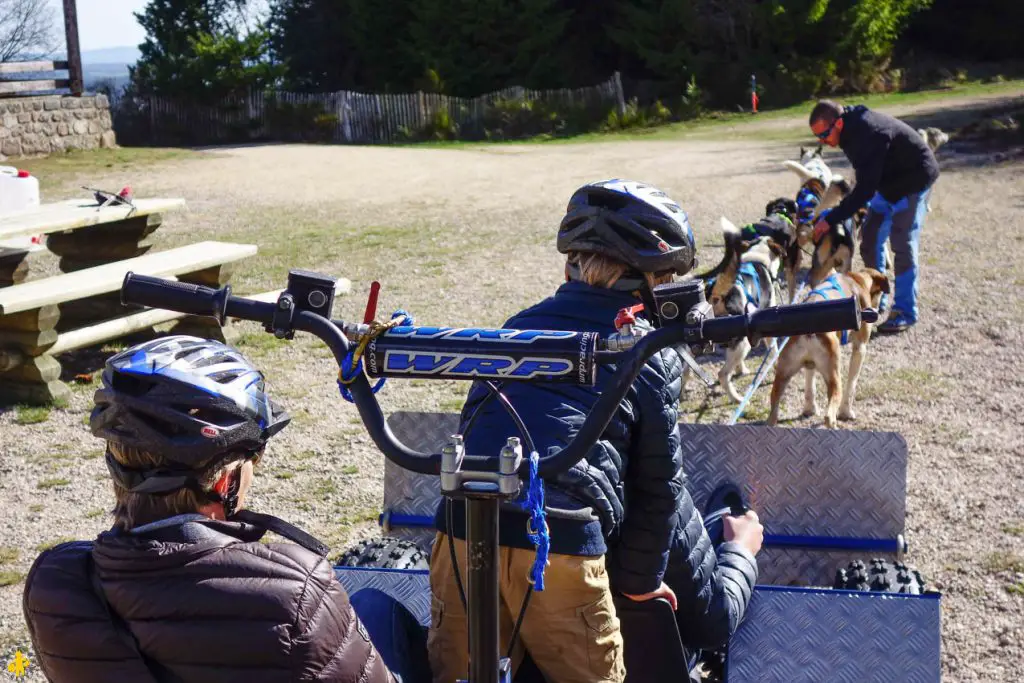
182 589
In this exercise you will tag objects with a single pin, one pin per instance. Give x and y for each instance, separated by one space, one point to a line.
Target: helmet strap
225 492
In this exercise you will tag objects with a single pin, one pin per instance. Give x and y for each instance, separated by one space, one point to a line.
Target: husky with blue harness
820 353
748 278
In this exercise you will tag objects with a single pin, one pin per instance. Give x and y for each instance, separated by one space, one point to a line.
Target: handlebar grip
809 318
786 321
183 297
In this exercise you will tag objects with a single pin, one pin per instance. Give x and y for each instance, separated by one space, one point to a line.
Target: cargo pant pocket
603 639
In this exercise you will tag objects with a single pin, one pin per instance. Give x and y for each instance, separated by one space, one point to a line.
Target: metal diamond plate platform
411 587
802 482
407 492
808 635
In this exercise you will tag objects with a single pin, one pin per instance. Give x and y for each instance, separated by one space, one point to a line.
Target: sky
106 23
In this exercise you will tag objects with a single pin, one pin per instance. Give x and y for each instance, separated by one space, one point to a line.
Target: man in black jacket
895 171
182 588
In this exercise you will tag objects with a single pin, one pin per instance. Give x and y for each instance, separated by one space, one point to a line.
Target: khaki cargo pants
570 628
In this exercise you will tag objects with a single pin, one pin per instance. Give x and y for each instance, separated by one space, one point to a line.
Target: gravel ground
464 235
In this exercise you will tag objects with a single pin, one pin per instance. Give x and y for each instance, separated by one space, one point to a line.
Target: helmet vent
226 376
130 384
610 200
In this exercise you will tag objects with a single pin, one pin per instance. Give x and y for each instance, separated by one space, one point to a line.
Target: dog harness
831 284
777 226
807 201
747 275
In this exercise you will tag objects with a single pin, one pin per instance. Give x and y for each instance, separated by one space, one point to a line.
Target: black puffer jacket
630 482
205 601
888 156
713 588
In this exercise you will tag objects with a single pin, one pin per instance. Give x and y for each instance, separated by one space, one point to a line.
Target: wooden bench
41 318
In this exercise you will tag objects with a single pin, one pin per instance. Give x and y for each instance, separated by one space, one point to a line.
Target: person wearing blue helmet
616 516
182 588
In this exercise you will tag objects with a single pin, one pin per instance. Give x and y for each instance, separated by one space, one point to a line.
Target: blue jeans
900 223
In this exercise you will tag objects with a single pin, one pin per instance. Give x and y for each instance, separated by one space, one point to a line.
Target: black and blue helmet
187 400
634 223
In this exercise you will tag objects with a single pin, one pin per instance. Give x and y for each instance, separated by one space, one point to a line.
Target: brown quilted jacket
205 602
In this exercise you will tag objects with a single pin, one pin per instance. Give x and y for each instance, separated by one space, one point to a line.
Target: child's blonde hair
599 270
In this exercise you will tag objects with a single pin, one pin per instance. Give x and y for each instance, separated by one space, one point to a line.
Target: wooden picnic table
80 232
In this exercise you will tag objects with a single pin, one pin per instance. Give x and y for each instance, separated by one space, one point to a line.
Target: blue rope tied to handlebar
537 526
349 371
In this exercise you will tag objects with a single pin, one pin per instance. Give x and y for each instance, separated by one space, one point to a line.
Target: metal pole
73 50
482 588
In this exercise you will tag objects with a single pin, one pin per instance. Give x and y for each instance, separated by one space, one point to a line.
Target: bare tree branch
28 28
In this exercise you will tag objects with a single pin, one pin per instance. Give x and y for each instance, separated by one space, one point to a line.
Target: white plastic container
19 190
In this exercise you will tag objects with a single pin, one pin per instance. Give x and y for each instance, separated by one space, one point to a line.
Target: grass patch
350 469
53 483
453 404
260 341
283 475
30 415
36 507
325 488
93 514
10 578
8 555
1015 529
56 169
1016 588
1004 561
363 253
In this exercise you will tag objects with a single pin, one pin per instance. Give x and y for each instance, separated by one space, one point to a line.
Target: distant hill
126 54
108 65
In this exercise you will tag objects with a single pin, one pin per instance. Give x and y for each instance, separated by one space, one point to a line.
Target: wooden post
619 94
74 53
27 375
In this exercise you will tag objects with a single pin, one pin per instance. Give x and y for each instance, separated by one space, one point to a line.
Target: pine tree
197 50
659 34
478 46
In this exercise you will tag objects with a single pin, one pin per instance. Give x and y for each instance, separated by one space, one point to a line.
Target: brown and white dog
820 353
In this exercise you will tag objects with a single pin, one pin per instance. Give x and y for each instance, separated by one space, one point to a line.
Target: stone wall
33 126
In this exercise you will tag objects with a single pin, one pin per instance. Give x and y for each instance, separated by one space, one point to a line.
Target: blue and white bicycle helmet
631 222
186 400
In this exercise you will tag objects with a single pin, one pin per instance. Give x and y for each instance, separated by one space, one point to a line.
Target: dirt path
460 236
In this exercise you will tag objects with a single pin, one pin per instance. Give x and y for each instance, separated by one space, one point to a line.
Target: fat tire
880 576
385 553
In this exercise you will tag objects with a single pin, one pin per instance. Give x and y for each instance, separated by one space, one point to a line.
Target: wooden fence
341 117
23 79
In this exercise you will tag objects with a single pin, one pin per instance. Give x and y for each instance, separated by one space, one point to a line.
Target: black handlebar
819 317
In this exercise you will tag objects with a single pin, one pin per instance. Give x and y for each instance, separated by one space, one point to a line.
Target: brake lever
695 366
